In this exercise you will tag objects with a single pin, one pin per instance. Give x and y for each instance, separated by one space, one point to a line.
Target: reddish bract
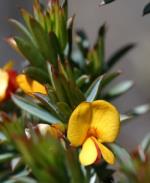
12 85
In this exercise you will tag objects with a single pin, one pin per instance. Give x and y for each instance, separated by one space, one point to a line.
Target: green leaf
61 27
65 7
30 52
82 80
52 94
146 9
37 74
93 90
100 48
145 144
94 65
50 105
64 110
15 163
118 90
70 24
34 109
38 12
65 89
5 157
56 83
109 78
140 110
82 42
76 172
15 179
43 41
23 30
2 137
135 112
125 117
45 166
115 58
124 159
62 70
45 100
55 42
69 70
104 2
26 17
60 109
73 93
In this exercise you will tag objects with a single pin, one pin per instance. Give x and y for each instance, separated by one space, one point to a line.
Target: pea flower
30 86
8 82
56 130
90 126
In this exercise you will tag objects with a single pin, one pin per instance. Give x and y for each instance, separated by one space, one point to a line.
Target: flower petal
107 154
90 152
24 83
8 66
43 128
106 120
79 123
30 86
56 130
4 79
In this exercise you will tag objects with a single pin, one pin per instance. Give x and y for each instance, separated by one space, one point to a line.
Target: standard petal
79 123
89 152
106 120
107 154
4 79
29 85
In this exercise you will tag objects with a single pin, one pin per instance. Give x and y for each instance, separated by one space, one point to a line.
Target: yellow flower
30 86
91 125
56 130
8 83
4 80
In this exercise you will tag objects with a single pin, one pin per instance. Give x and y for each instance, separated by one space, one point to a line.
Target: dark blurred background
125 25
